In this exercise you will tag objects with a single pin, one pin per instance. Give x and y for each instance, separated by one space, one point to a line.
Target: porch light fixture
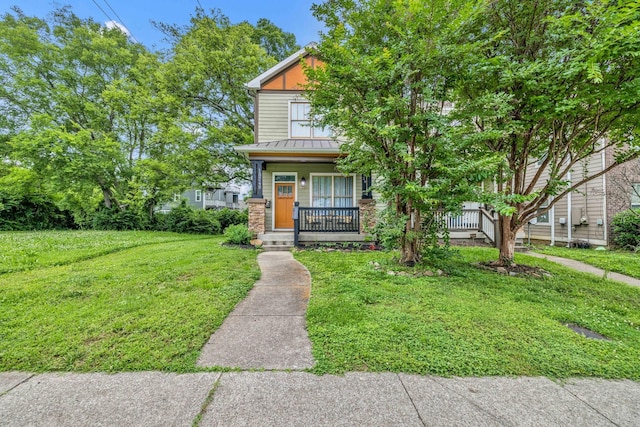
303 182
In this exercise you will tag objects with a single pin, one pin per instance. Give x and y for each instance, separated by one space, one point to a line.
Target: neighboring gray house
208 198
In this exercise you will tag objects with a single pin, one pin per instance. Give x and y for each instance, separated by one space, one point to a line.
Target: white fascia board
257 82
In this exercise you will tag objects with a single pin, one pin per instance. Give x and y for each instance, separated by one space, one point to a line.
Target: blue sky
293 16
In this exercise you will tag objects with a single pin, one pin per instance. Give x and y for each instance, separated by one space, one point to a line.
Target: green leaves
383 88
92 112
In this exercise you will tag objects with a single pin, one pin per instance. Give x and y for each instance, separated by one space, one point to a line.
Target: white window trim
273 196
303 101
548 223
198 195
311 175
634 193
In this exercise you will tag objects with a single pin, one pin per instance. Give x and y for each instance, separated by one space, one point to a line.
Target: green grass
469 323
151 306
36 249
623 262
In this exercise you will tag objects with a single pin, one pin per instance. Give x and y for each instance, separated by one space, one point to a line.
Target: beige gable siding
302 194
587 201
540 231
273 115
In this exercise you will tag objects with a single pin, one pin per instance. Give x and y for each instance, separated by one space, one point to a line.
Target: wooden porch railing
469 219
480 220
489 226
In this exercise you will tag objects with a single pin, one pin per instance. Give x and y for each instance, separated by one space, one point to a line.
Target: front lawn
623 262
469 323
28 250
151 306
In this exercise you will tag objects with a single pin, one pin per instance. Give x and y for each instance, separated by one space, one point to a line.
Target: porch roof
327 148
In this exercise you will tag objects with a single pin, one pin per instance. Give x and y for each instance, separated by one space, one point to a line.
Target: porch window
301 125
635 196
332 191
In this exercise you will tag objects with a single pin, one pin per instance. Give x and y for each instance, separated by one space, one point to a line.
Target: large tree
383 89
77 102
208 65
543 85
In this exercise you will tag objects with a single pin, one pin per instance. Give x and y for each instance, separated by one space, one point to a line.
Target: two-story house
293 165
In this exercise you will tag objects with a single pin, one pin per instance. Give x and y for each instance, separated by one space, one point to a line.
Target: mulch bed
518 270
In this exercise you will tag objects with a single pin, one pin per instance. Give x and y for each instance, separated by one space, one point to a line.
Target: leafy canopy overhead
383 89
545 86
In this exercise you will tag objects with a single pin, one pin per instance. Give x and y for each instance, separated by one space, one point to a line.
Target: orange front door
285 195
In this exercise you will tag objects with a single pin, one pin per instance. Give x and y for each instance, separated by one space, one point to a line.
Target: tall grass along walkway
266 330
581 266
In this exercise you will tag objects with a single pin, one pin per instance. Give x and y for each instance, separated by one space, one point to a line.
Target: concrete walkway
303 399
586 268
268 329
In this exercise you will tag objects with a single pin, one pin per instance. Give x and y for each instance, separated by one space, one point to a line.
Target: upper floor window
301 125
635 196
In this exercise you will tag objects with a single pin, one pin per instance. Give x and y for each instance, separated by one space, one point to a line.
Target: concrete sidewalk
586 268
303 399
268 329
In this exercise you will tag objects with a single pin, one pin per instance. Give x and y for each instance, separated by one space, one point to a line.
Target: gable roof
279 67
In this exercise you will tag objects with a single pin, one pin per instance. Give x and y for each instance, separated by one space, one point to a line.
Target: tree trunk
410 250
106 193
507 241
410 254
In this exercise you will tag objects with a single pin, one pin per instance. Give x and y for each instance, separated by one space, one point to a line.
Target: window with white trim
635 196
543 218
301 125
332 191
198 195
176 197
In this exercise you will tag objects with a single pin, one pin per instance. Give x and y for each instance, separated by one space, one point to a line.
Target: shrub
229 217
118 219
32 212
237 234
185 219
626 229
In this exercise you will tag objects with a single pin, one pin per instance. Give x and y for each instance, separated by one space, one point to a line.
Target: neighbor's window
543 218
301 124
635 196
329 191
198 195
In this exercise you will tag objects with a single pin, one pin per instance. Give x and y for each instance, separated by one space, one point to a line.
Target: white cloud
113 24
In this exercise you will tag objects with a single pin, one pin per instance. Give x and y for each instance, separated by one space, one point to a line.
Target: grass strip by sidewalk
469 323
150 307
623 262
28 250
